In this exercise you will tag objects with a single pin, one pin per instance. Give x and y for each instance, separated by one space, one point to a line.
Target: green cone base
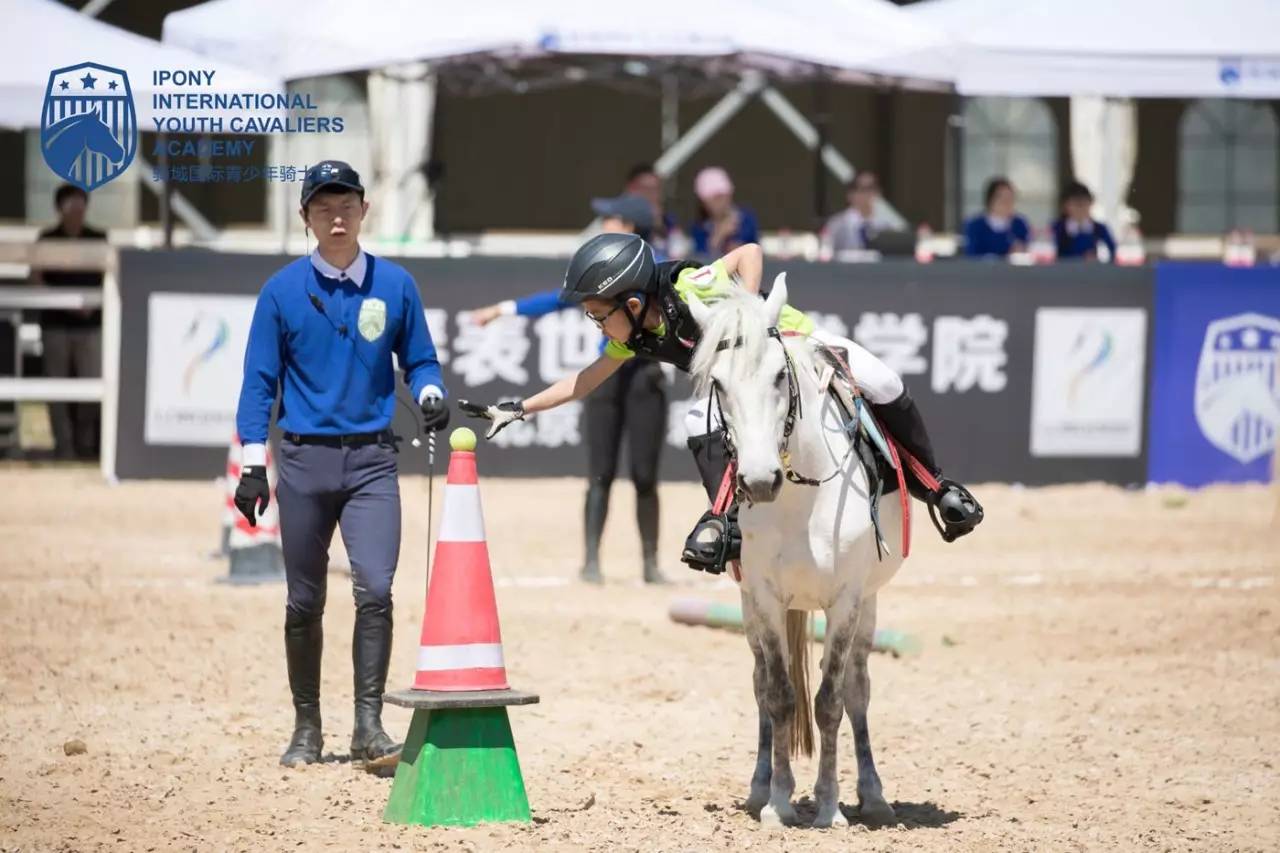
458 768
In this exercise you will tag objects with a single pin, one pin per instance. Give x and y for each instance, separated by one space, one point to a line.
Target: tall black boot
370 656
953 508
303 645
715 540
594 514
647 521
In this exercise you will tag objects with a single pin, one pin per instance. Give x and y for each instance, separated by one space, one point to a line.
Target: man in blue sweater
323 335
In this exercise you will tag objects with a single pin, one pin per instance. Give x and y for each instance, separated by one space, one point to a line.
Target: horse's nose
761 489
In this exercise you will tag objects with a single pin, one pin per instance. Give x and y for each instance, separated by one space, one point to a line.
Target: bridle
795 411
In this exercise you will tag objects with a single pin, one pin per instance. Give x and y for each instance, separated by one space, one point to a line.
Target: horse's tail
798 655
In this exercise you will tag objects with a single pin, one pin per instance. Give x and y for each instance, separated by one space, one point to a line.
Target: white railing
87 255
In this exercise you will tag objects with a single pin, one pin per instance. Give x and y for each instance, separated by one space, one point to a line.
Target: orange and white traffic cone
254 552
459 765
461 645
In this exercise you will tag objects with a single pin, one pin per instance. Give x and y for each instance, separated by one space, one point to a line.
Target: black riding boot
370 655
647 521
303 644
593 516
957 510
715 539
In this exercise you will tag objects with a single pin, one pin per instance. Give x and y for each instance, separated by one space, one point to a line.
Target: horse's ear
777 299
701 313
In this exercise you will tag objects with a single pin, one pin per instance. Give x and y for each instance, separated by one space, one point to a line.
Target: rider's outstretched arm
747 264
573 387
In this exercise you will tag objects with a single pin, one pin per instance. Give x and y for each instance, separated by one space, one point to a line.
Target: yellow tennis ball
462 438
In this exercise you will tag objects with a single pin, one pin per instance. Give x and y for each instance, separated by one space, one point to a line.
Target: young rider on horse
641 308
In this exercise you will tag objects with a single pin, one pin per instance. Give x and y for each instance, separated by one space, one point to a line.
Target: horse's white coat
804 547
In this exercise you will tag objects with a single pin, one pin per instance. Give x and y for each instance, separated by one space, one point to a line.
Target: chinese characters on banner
967 356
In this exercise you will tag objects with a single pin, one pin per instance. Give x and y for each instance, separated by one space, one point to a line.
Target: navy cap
634 209
329 173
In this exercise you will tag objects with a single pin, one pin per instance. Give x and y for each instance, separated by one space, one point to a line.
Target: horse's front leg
764 618
842 619
763 774
872 805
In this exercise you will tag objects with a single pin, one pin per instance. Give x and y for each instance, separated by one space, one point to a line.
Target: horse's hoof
877 813
771 817
756 801
834 821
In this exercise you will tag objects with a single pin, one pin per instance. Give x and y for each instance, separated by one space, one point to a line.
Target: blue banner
1215 394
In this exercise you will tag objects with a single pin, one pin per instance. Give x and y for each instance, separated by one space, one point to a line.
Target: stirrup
713 556
954 510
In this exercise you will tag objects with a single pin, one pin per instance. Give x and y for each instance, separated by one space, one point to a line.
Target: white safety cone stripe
462 519
471 656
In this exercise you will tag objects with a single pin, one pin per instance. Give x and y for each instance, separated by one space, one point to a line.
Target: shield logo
1238 385
372 320
88 128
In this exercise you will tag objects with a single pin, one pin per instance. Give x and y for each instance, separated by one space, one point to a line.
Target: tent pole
166 196
821 121
201 228
955 165
804 130
704 128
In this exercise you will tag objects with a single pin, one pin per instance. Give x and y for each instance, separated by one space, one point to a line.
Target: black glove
253 491
435 414
501 414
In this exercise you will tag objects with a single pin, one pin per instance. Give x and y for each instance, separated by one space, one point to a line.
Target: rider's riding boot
370 656
715 539
303 644
647 521
593 516
957 510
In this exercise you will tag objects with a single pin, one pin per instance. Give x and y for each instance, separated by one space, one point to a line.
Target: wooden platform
435 699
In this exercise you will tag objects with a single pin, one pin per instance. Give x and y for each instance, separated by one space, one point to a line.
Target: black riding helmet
610 266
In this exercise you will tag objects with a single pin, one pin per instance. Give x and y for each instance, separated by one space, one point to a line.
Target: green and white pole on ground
696 611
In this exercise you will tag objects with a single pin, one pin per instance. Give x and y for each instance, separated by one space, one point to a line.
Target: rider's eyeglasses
600 321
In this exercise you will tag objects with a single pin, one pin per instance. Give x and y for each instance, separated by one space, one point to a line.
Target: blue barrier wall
1215 379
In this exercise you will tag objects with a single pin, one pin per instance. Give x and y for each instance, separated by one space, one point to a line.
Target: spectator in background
643 181
722 225
1076 232
999 230
853 228
633 400
72 339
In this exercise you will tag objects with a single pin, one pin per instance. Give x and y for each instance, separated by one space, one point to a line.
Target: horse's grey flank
804 548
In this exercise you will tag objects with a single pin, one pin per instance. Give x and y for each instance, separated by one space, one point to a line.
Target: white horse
805 547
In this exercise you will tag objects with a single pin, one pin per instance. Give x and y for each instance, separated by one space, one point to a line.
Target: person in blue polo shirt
999 229
323 335
1077 233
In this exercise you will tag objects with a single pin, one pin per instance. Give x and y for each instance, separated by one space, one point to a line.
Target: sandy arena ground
1100 671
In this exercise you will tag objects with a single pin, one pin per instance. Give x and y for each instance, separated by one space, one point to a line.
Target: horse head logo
88 129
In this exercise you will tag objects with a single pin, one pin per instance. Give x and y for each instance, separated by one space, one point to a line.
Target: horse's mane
738 315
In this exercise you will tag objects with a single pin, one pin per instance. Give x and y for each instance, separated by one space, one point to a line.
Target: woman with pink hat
722 226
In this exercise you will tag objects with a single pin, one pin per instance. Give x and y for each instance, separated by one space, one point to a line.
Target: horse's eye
780 378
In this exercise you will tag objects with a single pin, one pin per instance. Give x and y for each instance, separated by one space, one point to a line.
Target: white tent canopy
41 36
756 40
303 38
1132 49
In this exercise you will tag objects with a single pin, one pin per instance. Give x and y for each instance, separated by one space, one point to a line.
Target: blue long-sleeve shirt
981 239
1079 243
538 304
333 369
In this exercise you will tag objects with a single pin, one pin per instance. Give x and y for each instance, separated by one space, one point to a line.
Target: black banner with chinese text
961 334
